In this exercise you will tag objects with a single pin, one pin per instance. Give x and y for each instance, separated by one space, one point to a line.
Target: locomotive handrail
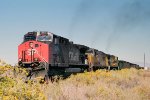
41 57
43 60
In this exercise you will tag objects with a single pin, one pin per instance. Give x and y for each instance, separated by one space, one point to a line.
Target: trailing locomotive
124 64
50 54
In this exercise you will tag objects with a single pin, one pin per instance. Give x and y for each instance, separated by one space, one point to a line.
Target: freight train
50 54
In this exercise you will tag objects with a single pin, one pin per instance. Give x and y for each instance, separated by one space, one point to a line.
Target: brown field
126 84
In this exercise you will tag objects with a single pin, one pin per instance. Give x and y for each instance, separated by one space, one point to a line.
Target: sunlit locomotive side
98 59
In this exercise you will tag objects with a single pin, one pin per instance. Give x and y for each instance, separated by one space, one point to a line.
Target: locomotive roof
37 32
127 62
82 46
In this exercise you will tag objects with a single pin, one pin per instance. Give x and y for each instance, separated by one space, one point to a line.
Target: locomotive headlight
20 59
35 59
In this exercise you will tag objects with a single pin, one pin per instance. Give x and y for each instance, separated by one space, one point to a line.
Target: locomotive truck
47 54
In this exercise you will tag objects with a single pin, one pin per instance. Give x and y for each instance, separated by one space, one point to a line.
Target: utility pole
146 68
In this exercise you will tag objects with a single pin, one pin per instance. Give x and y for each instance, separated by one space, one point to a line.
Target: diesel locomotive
47 54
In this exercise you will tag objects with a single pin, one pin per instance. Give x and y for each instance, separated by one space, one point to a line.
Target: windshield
45 36
30 36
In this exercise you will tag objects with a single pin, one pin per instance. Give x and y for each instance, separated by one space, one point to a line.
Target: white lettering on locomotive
31 51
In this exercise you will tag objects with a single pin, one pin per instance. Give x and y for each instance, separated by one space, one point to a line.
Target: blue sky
119 27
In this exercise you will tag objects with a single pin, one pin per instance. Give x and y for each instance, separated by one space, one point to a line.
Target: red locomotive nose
32 51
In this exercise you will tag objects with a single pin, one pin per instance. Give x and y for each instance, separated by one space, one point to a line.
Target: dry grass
127 84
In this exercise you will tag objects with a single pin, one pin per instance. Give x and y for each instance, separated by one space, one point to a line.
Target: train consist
55 55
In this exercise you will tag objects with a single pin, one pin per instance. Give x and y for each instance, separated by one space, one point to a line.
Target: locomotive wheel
46 79
90 68
109 68
53 79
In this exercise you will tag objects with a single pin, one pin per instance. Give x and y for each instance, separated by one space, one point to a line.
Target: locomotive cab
30 36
